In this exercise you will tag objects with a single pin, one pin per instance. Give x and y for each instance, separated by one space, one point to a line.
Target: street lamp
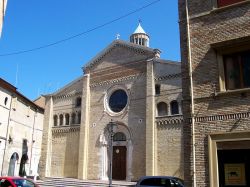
110 128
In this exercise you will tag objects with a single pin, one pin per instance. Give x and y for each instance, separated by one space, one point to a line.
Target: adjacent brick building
129 84
215 53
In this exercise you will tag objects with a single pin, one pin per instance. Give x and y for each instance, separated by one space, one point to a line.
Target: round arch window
118 100
119 136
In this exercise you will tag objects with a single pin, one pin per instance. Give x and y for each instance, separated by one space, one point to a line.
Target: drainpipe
191 94
7 132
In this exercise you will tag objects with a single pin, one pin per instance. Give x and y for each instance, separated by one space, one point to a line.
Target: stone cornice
222 117
137 48
169 120
67 95
70 129
166 77
118 80
134 47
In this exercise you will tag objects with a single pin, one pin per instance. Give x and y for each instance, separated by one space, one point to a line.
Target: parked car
16 182
156 181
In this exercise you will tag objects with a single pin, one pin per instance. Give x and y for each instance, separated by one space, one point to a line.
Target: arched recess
79 118
174 106
22 169
67 119
162 109
78 101
73 118
55 120
61 119
124 133
12 164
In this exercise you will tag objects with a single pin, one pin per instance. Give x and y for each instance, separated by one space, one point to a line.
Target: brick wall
208 26
121 67
100 117
64 160
169 148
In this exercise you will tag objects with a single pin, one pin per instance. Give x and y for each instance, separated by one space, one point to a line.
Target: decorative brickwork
65 130
171 76
117 81
67 96
223 117
82 151
169 120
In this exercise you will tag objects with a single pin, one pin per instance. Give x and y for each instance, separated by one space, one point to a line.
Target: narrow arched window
78 101
79 118
73 118
136 41
143 41
55 120
66 119
119 136
162 109
61 119
25 146
5 101
174 106
157 89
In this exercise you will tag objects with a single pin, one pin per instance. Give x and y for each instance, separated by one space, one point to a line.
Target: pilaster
45 161
151 152
84 130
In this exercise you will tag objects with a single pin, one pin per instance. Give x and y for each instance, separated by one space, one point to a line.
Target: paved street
70 182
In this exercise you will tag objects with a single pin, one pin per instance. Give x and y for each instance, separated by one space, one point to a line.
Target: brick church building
129 85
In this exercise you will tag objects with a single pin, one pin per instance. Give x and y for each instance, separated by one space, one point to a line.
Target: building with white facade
21 126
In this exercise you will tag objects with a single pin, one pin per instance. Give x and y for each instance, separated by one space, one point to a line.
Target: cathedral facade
128 87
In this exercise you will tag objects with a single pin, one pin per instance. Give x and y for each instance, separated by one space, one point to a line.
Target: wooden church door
119 162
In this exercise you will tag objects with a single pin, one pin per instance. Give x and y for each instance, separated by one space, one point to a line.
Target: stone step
71 182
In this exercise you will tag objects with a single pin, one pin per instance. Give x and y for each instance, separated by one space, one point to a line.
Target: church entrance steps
71 182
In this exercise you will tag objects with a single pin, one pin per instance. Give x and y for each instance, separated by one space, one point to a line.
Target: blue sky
30 24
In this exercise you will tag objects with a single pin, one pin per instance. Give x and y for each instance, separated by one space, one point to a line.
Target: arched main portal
12 164
119 156
122 153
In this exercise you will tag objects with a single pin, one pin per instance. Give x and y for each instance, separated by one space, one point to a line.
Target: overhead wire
79 34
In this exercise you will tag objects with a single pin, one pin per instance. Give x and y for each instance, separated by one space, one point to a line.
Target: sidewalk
61 182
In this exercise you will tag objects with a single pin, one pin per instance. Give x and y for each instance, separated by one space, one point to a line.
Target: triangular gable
140 50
